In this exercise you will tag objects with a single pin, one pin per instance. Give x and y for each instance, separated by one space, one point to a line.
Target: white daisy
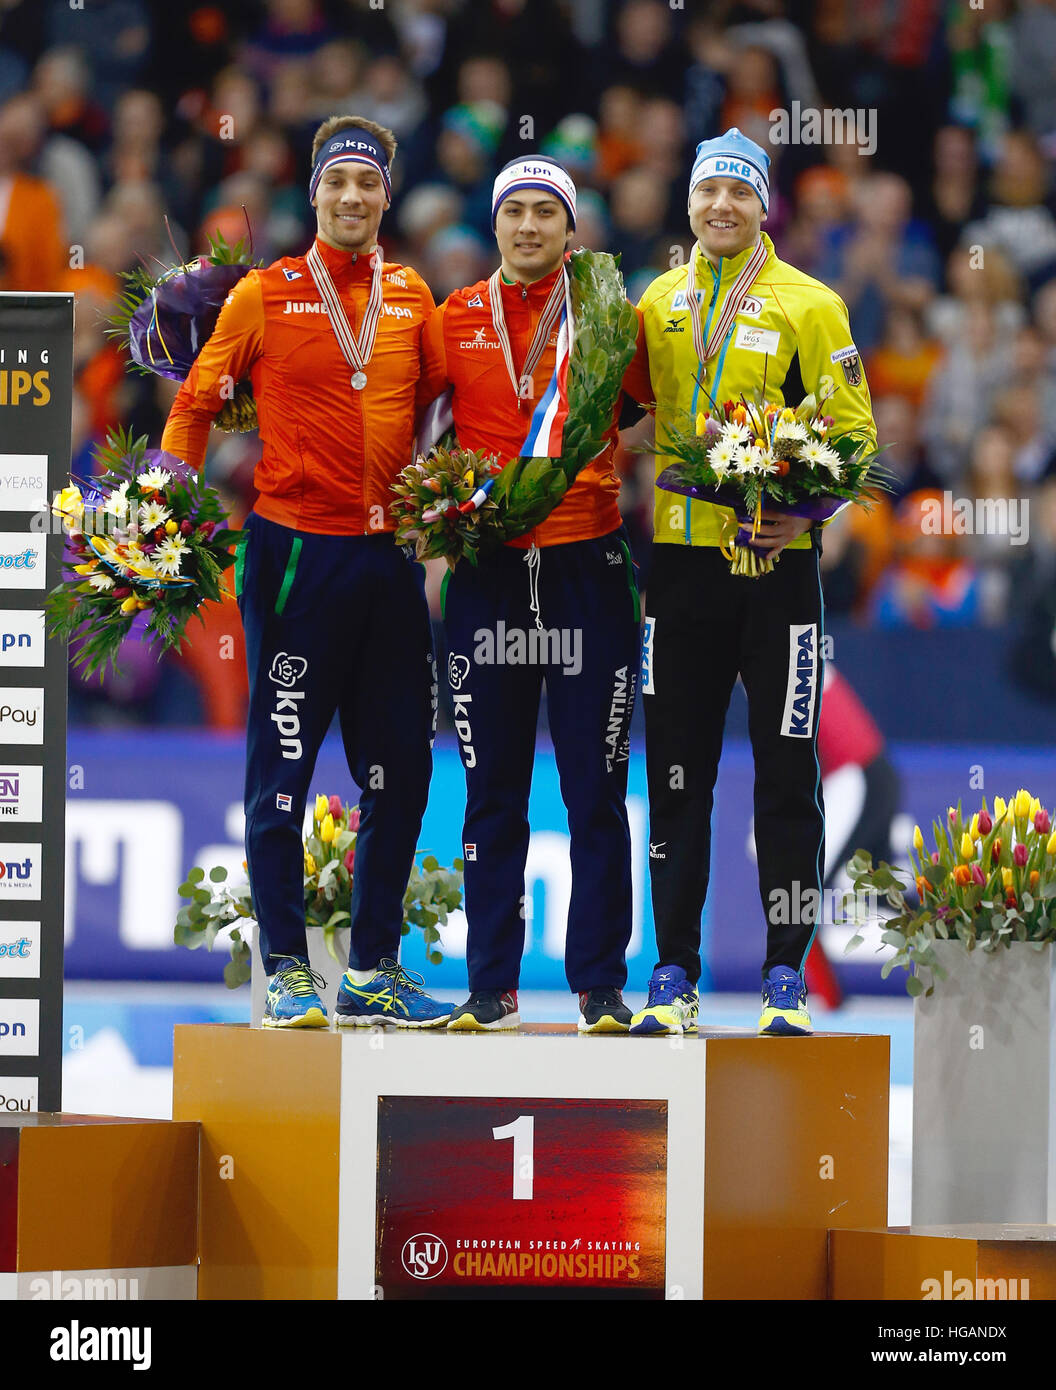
831 460
765 463
734 432
117 503
814 453
152 515
168 557
155 478
721 456
792 429
743 460
100 581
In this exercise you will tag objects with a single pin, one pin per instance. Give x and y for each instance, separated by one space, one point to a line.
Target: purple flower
168 329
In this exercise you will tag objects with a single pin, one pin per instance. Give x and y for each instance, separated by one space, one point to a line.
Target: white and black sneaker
603 1011
486 1011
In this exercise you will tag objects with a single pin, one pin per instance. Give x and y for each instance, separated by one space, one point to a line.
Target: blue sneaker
784 1004
393 995
673 1003
292 1000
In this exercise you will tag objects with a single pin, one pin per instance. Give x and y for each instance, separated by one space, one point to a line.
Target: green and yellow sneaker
784 1004
292 1000
673 1004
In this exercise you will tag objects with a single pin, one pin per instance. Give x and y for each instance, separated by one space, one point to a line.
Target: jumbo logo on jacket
308 306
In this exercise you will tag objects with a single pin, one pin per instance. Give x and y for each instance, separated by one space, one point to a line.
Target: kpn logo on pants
288 671
802 686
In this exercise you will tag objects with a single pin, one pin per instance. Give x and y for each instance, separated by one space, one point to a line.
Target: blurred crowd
132 131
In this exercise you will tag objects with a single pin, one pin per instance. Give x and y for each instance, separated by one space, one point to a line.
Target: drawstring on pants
532 561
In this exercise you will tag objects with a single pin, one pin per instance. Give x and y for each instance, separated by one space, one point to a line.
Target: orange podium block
983 1261
391 1164
97 1207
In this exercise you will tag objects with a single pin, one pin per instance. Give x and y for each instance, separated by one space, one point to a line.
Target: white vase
984 1088
321 961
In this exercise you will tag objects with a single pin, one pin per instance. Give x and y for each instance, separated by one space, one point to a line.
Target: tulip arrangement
147 535
747 455
439 507
329 864
987 882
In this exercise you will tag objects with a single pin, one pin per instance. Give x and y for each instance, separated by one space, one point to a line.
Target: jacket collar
345 266
538 289
729 267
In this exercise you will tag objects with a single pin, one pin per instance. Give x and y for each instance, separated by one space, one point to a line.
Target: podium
97 1208
543 1163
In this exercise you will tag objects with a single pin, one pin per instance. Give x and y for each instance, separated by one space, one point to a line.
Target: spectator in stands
640 206
1019 219
886 259
927 584
822 214
1033 612
903 361
619 132
33 248
465 154
955 194
962 390
992 546
1033 33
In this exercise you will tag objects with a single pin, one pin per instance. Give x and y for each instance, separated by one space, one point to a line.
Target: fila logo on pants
801 690
286 671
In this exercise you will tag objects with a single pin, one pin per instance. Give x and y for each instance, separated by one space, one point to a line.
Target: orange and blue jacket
460 349
330 454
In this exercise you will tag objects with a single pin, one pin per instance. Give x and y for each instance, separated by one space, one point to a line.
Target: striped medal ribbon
357 351
551 310
740 288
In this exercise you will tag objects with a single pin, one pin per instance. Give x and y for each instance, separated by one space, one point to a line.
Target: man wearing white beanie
735 317
498 346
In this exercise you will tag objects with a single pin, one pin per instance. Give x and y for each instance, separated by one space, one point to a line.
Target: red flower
934 856
985 823
206 529
1042 823
122 591
995 852
353 819
350 858
1019 855
977 875
1010 901
185 528
337 810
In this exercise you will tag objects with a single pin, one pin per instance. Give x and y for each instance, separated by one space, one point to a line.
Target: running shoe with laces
392 995
672 1006
292 1000
603 1011
784 1004
486 1011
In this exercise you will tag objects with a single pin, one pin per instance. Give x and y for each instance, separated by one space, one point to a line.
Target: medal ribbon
551 310
357 351
740 288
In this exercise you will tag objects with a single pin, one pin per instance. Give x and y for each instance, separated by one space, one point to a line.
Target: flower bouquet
750 455
164 322
455 502
988 881
329 862
147 535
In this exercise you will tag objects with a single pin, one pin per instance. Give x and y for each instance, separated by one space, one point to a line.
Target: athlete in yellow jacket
736 320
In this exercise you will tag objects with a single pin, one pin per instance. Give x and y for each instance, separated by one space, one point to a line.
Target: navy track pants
587 649
334 624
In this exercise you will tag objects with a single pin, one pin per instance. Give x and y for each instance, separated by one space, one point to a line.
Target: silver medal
359 380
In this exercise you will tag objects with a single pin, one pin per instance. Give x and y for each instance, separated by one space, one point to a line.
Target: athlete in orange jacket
334 612
560 603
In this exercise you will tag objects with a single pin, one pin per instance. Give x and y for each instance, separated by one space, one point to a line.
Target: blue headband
351 146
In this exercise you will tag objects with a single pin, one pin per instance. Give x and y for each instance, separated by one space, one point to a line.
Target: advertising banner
36 388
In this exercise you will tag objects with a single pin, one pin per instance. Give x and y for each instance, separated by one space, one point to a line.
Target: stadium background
128 128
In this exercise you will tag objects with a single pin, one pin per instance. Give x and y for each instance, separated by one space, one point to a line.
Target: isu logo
424 1256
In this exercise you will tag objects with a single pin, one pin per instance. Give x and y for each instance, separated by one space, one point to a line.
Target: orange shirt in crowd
329 453
33 252
461 349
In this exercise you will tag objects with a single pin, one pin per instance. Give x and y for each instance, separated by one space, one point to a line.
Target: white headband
534 173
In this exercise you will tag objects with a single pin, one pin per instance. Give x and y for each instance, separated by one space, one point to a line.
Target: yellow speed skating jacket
790 321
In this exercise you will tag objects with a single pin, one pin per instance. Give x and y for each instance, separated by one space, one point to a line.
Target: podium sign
36 389
567 1195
